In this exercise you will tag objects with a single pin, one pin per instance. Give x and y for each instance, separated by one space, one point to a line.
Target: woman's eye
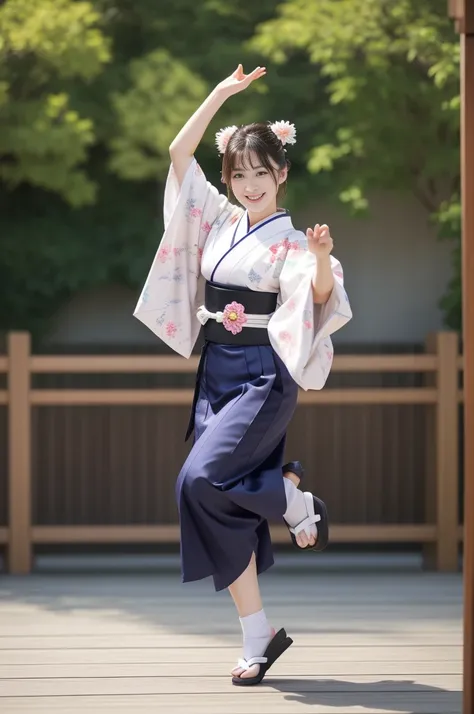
262 173
237 176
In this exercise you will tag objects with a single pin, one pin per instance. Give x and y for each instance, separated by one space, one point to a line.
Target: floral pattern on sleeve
174 286
299 330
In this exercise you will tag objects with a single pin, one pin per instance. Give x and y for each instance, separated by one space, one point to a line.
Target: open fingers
257 73
313 232
319 231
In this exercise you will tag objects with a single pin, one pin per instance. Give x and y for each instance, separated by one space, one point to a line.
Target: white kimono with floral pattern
208 238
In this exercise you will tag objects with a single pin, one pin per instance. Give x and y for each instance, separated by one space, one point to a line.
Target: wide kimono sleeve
299 329
174 288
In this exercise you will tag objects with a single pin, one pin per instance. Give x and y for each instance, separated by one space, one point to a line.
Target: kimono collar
278 221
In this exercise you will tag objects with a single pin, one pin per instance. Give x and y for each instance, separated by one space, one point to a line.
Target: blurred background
91 95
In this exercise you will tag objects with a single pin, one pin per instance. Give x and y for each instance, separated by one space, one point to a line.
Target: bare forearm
323 281
186 142
182 148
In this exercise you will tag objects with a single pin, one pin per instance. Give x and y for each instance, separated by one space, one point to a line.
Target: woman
268 298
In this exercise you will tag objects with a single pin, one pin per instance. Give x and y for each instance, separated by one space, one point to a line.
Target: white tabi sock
296 510
257 634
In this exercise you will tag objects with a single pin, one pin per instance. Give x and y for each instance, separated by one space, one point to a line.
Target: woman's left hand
319 240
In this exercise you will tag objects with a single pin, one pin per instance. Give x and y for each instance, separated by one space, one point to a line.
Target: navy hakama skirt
231 482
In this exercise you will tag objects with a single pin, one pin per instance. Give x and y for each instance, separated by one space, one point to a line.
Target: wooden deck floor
371 643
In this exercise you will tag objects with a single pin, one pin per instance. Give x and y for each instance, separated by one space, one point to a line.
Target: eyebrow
255 168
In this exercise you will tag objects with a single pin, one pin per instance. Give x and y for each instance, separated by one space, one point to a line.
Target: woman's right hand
238 81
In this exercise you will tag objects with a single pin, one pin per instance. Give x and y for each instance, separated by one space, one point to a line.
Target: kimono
231 483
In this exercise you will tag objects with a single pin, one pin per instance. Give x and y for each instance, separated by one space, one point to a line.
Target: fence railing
439 535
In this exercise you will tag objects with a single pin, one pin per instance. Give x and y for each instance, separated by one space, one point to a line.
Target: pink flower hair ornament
285 131
223 136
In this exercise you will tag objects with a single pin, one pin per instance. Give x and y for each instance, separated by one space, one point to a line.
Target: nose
251 188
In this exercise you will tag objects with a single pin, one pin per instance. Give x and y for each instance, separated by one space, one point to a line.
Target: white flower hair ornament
285 131
223 137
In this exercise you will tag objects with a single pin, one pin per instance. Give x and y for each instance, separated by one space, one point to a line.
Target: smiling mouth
254 199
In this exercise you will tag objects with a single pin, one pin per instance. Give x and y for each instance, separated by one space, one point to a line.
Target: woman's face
255 188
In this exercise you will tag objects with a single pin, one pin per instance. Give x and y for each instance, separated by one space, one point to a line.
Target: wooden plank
447 456
108 364
384 363
380 643
246 702
3 364
175 639
429 549
106 534
164 363
49 632
467 182
184 397
19 445
3 396
393 395
429 658
76 397
384 533
194 666
214 685
3 535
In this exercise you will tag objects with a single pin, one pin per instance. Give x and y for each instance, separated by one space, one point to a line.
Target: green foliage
448 219
91 94
51 252
93 91
162 97
43 140
392 79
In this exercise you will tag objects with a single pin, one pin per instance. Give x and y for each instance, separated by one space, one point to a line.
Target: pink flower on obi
206 227
234 317
171 329
164 253
195 212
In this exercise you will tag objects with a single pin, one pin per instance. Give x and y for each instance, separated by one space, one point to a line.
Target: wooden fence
440 533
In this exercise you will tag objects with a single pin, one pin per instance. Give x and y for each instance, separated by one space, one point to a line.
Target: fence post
442 491
19 456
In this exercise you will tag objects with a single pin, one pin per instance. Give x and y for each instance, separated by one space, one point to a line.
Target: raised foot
302 539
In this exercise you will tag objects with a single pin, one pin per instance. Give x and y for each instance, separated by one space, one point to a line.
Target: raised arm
186 142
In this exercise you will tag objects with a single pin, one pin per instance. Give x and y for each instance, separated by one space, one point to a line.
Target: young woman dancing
268 298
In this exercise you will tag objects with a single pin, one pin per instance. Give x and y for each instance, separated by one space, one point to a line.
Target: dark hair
260 139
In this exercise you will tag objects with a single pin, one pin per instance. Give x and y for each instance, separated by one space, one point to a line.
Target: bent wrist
220 93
